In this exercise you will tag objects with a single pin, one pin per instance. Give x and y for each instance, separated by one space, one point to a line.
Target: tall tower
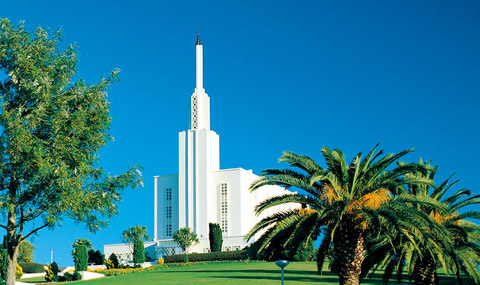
198 157
200 102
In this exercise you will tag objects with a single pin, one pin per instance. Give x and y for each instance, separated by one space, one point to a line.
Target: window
194 113
168 194
168 212
224 207
168 230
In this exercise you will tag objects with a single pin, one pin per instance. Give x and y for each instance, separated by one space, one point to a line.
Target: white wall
124 251
162 183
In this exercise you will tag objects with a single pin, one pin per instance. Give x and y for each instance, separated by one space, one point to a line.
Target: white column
199 66
155 208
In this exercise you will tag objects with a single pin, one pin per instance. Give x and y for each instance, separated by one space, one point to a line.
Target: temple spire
199 66
200 102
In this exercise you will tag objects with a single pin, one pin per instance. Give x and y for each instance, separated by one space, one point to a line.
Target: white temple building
201 193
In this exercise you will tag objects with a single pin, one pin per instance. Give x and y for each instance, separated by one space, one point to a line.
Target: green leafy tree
81 241
114 259
81 258
95 257
458 252
138 252
215 237
25 251
185 239
347 201
130 235
51 129
54 268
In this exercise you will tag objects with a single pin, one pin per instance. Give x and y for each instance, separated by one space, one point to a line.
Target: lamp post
282 264
51 255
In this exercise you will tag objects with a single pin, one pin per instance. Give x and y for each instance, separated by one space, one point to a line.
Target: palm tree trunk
349 252
425 271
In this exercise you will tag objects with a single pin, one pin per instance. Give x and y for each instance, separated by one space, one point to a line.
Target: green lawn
237 273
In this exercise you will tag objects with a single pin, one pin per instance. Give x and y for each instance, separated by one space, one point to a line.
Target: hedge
215 237
32 267
222 255
157 267
138 252
81 258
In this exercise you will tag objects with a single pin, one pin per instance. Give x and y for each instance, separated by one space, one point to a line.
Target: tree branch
32 232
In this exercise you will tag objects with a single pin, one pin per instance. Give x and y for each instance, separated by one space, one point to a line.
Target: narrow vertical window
168 212
224 207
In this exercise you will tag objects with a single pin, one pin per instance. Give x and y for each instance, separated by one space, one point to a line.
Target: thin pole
282 276
51 255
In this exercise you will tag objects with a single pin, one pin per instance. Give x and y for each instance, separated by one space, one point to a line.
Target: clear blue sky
281 75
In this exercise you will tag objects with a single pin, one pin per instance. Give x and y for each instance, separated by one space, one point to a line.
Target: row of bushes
210 256
115 272
32 267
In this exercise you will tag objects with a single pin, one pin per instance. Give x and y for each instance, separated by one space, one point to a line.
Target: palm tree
459 254
346 201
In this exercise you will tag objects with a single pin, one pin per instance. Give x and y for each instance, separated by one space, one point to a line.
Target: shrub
81 258
114 259
138 252
222 255
67 277
18 272
32 267
54 268
215 237
51 273
49 276
109 264
305 252
76 276
3 263
95 257
161 261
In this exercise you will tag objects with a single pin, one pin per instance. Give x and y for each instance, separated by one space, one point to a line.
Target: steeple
200 102
199 65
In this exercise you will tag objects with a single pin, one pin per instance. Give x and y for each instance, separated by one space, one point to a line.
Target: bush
161 261
222 255
215 237
32 267
18 272
3 263
109 264
76 276
138 252
305 252
67 277
81 258
49 276
54 268
95 257
114 259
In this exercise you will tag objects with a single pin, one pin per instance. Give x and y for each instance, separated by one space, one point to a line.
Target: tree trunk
425 271
12 266
12 245
349 252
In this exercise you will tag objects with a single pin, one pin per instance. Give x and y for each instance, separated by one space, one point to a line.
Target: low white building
202 193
